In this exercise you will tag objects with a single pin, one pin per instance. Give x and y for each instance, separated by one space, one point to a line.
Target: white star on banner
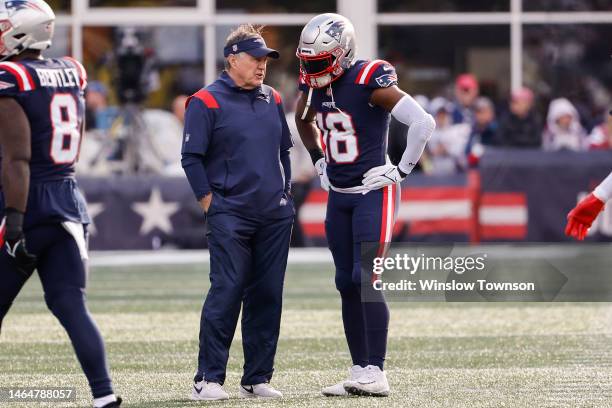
94 209
156 213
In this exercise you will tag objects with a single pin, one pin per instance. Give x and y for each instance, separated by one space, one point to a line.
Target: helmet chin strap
7 56
308 101
331 94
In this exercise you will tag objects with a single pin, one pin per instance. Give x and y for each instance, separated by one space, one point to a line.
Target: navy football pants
63 277
352 219
248 259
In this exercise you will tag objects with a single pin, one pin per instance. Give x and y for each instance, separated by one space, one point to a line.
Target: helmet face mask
320 70
326 49
320 64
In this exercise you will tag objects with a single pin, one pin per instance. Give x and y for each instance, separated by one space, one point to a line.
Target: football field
440 354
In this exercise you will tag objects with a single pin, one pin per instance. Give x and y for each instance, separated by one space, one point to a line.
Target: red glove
580 219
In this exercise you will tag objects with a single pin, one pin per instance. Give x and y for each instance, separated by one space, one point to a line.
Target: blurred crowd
466 125
469 123
127 139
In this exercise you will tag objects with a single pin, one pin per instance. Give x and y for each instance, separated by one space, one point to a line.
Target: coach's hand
15 243
381 176
580 219
205 202
321 167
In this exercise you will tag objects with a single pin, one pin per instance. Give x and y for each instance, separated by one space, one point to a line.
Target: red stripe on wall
317 196
434 193
503 231
448 225
503 199
314 228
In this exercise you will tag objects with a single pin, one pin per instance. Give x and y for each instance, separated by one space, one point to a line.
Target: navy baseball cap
255 47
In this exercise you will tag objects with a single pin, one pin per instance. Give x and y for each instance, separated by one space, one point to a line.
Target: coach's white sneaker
208 391
372 383
263 390
338 390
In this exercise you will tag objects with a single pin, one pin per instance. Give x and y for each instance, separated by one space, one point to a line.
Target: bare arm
307 128
309 133
387 98
15 142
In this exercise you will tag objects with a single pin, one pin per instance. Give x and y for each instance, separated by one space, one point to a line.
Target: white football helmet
326 49
25 24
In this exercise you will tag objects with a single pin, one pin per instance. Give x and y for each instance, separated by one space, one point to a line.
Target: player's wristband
14 223
316 154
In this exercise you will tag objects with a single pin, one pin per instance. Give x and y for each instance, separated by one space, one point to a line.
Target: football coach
236 157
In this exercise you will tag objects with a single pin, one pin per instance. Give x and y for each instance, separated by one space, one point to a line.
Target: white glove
381 176
321 167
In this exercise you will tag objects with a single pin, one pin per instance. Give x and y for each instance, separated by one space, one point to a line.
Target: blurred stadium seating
556 49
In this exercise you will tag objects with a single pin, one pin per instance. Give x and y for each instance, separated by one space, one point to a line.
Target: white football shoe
372 383
338 390
263 390
208 391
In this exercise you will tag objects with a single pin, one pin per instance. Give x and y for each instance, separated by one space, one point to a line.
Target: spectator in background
466 92
178 107
160 137
485 126
422 100
445 150
601 136
166 135
484 130
563 128
99 116
521 126
97 144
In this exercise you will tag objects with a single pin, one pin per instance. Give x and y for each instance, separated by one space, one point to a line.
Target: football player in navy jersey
44 216
347 104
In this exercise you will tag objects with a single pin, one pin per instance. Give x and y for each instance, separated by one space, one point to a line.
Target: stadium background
503 42
556 48
440 354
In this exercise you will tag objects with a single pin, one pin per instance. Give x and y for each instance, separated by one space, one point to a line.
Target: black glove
15 244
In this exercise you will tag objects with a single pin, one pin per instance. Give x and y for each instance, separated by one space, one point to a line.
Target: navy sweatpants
63 276
352 219
248 259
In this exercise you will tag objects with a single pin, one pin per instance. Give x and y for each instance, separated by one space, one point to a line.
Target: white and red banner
439 212
515 195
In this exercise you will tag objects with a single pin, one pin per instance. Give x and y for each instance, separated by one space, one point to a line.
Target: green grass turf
440 355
